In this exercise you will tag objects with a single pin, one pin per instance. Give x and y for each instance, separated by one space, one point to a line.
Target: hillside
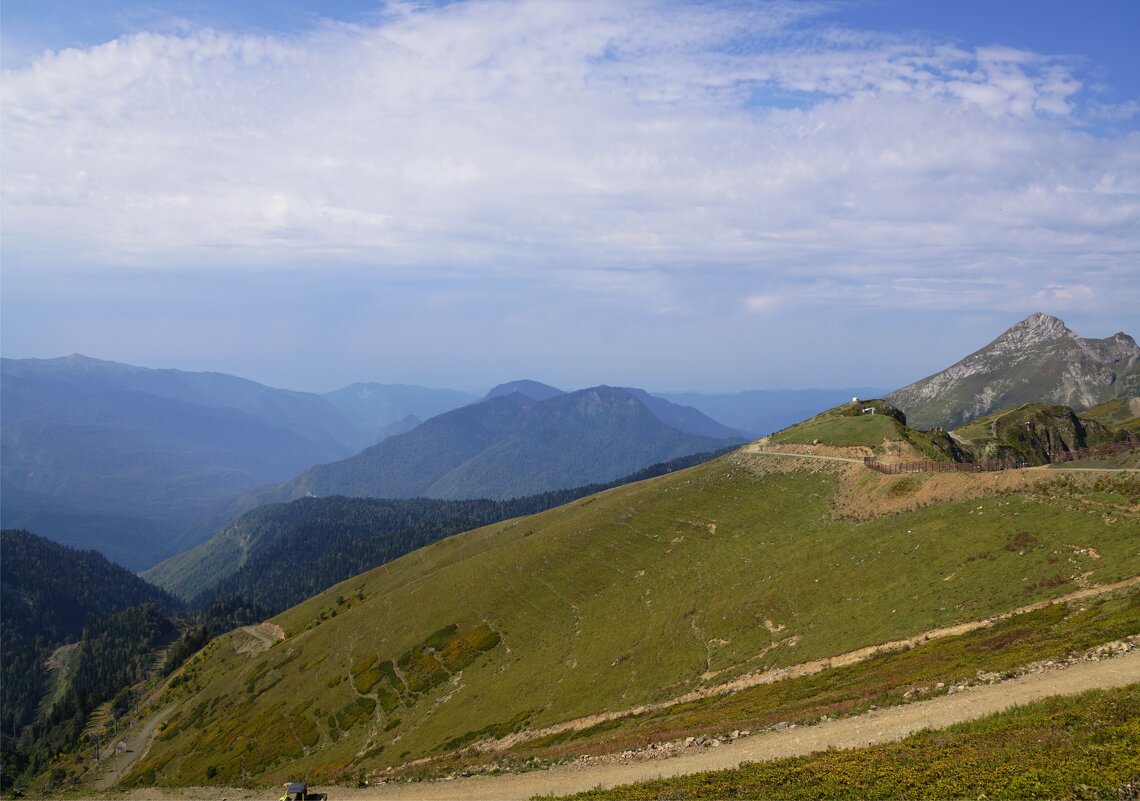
139 463
1118 413
1036 360
1031 432
280 554
50 595
644 594
510 445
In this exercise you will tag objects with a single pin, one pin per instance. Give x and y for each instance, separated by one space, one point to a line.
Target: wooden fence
995 464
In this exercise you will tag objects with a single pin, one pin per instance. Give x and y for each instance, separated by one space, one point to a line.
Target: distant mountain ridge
135 462
510 446
387 409
1037 360
535 390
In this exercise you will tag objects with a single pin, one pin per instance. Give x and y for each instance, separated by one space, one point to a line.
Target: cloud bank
681 157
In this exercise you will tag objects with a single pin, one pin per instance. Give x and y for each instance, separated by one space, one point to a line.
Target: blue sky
711 196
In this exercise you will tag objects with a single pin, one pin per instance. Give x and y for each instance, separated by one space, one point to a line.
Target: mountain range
144 463
1037 360
387 409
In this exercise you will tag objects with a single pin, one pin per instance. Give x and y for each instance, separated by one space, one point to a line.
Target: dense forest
50 593
310 544
79 631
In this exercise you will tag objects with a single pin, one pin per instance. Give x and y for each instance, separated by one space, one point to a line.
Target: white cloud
570 139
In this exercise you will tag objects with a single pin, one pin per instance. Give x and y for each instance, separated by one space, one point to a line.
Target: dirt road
137 742
883 725
756 448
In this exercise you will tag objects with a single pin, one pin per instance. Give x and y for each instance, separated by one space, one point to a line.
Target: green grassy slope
623 598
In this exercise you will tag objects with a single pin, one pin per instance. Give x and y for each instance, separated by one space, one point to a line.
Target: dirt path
757 449
879 726
137 742
263 637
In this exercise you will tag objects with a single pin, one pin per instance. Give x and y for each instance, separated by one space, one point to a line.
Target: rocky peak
1037 360
1033 330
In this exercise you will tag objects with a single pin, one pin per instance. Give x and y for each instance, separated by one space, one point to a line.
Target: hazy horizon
709 197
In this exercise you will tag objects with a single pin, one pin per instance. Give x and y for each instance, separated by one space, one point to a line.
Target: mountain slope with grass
649 596
280 554
1036 360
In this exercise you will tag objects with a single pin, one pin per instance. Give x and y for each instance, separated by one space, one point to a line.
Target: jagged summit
1035 329
1036 360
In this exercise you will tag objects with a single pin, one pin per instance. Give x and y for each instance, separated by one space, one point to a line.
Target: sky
706 196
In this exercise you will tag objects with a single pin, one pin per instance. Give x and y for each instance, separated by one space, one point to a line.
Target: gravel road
879 726
883 725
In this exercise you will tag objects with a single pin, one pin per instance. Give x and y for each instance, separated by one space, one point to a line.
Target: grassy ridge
622 598
1087 746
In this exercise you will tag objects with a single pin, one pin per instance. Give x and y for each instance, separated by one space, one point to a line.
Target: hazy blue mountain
762 411
510 446
387 409
534 390
304 413
139 463
686 418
